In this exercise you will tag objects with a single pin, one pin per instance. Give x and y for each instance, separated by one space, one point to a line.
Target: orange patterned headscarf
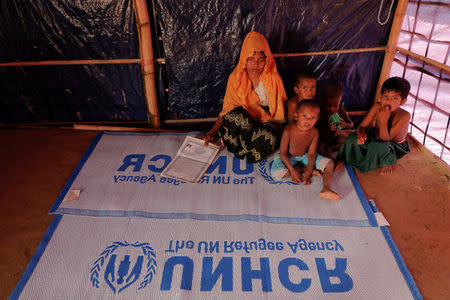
239 88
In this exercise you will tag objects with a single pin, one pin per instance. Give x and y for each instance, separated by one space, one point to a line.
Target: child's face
391 99
332 104
256 62
306 88
306 117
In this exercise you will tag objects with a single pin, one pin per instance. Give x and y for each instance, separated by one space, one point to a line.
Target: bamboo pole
147 61
425 59
76 62
119 128
391 46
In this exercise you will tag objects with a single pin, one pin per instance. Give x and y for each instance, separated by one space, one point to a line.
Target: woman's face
256 62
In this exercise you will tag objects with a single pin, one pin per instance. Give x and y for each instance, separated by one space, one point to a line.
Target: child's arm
345 119
361 134
399 126
284 147
291 109
312 149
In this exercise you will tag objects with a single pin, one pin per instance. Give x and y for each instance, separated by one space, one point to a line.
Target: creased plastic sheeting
72 93
65 29
69 30
202 40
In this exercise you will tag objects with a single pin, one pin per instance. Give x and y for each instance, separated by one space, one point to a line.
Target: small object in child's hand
336 120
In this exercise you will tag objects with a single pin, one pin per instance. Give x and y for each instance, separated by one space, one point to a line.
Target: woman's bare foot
329 194
388 170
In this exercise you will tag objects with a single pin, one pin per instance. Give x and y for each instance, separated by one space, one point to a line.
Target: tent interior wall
161 62
139 65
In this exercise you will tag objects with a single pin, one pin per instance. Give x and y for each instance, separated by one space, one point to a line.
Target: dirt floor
36 164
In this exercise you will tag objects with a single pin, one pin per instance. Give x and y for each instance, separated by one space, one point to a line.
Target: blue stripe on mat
214 217
76 172
362 198
401 264
36 257
398 258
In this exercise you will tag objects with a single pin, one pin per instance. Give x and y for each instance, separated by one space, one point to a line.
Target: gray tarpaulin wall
200 44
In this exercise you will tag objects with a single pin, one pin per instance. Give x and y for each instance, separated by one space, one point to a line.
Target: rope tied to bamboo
389 12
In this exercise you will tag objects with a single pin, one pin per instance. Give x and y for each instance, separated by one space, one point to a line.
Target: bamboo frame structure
147 61
391 46
425 59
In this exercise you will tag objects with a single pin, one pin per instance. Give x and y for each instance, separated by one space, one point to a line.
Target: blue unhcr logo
119 273
264 169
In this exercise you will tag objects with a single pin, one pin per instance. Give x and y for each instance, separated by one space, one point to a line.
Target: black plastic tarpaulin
202 40
42 30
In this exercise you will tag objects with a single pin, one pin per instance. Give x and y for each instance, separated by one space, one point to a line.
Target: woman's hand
209 137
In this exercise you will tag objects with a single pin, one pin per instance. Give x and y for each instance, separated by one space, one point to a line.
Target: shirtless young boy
380 139
304 88
298 144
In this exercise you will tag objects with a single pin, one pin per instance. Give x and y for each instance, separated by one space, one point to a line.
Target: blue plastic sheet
202 40
39 30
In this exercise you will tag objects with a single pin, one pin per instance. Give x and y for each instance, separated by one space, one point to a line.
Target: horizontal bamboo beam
357 50
163 60
76 62
184 121
53 124
425 59
427 103
431 137
119 128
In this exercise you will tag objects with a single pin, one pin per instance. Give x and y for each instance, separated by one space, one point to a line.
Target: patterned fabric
279 169
248 139
373 154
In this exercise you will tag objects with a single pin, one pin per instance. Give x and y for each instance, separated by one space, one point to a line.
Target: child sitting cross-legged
298 144
380 139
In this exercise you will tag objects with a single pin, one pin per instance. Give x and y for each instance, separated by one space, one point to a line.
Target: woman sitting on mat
253 107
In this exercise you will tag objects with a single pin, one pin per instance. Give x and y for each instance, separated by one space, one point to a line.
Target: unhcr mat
120 177
136 258
237 234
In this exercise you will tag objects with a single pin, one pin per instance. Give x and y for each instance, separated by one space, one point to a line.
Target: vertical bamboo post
147 61
391 46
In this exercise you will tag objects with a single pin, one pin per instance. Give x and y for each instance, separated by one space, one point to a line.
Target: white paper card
192 160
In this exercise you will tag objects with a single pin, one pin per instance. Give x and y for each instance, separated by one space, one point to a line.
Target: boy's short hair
331 91
305 74
397 84
308 103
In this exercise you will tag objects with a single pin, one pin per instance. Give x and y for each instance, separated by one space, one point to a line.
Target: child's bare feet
316 173
329 194
387 170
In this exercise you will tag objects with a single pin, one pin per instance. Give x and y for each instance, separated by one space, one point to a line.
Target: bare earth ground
36 164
